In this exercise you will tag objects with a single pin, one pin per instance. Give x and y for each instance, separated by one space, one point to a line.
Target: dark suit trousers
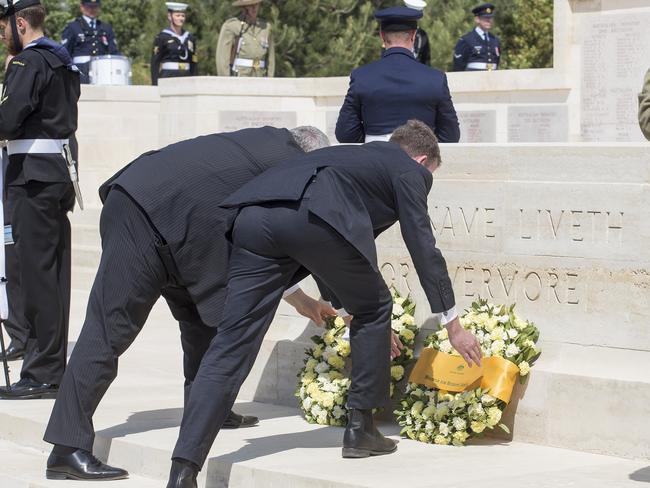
15 324
132 275
271 243
41 231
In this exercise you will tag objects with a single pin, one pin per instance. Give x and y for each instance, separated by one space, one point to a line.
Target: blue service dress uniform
476 52
173 56
83 41
387 93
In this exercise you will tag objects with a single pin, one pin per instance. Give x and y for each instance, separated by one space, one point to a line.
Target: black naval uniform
422 47
173 56
38 115
476 52
319 212
162 234
83 42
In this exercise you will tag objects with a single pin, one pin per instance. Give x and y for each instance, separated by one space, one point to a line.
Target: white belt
81 59
169 65
487 66
384 138
250 63
36 146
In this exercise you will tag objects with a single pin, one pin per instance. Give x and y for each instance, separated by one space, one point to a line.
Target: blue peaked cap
396 19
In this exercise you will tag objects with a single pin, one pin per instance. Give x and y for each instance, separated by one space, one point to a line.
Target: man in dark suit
320 213
384 94
162 234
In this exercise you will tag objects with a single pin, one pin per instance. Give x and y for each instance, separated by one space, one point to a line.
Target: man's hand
310 308
464 342
396 346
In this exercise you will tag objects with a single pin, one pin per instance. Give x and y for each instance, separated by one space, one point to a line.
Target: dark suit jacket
361 191
387 93
180 187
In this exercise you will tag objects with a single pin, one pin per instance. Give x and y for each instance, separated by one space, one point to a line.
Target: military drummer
479 50
245 45
87 36
174 49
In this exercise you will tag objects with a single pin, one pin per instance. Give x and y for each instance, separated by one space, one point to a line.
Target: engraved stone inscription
613 47
538 123
235 120
478 125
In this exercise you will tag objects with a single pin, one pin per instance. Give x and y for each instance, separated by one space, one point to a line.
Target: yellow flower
339 322
423 437
443 334
497 348
311 364
335 375
441 440
308 378
329 337
328 400
399 300
344 347
397 372
336 362
461 436
407 319
416 409
312 390
407 334
494 416
490 323
478 427
429 412
524 368
317 352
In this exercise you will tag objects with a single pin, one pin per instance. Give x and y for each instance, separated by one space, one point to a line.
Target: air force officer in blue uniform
385 94
87 36
479 50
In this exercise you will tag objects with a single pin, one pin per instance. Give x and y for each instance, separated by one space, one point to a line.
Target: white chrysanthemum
503 319
513 334
512 350
397 325
443 428
322 367
487 399
497 334
338 412
497 347
445 346
520 324
399 300
307 403
407 319
524 368
459 424
397 309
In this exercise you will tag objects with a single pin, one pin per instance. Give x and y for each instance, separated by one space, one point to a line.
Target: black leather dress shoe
27 389
14 352
235 421
81 465
183 474
362 439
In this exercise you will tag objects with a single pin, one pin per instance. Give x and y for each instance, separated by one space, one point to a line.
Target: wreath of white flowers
324 380
435 416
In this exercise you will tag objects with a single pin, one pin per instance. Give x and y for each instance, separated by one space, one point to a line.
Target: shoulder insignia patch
18 63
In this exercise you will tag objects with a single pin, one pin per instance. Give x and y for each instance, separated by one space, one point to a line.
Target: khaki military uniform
644 107
256 53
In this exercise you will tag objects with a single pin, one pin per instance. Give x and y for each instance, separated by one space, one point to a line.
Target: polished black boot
362 439
236 421
77 464
183 474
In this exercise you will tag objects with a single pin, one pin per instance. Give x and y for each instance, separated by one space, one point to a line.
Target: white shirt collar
89 20
181 38
480 32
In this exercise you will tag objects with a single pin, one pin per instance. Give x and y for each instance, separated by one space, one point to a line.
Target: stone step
86 235
286 451
23 467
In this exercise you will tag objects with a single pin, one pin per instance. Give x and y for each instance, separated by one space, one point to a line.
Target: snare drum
110 70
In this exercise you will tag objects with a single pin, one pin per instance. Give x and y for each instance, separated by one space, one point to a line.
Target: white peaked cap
176 6
416 4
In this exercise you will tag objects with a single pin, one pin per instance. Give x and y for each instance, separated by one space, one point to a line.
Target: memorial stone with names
538 123
232 120
478 125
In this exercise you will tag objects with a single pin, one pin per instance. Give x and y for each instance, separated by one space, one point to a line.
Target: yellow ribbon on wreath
436 369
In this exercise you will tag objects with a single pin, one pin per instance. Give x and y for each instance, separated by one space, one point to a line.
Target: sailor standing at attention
174 50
